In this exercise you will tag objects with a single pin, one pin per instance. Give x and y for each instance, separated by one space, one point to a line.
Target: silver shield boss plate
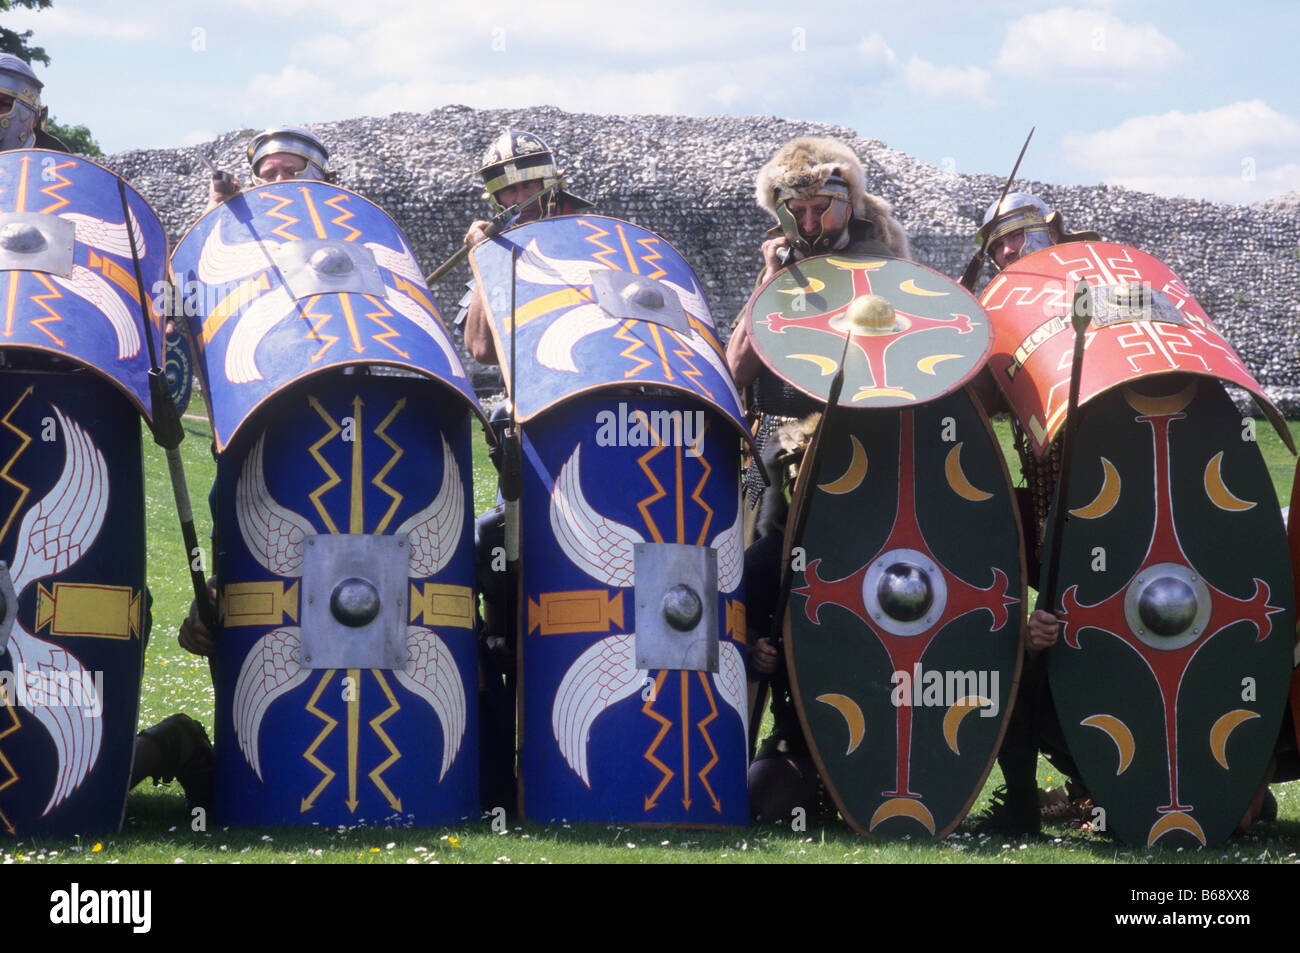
676 607
355 601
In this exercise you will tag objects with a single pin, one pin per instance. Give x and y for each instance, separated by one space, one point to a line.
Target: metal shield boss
632 695
1178 612
74 615
346 668
903 632
915 335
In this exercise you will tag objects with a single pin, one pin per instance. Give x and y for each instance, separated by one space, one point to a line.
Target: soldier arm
478 336
742 359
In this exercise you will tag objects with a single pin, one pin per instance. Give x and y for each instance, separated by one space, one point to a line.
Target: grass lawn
158 830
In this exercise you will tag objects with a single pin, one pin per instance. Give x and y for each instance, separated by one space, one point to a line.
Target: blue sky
1196 98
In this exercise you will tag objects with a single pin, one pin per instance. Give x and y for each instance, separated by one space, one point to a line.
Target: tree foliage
17 43
76 138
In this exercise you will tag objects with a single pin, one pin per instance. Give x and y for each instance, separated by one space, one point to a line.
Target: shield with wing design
287 279
599 301
346 665
74 614
632 697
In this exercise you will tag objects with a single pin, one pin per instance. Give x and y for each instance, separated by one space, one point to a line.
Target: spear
972 272
1080 314
168 433
498 222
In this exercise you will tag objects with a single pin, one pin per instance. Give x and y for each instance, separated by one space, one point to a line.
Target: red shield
1144 322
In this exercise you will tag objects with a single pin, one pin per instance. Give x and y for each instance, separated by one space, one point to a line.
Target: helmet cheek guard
19 124
830 225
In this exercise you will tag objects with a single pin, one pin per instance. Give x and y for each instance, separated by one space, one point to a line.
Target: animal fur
803 165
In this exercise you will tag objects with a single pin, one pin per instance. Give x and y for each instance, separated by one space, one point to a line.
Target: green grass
158 829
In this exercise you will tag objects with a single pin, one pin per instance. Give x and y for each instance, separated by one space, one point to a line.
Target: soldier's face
808 214
1007 248
521 192
279 166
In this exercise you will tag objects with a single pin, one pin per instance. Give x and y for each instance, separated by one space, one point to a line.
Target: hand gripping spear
498 222
168 434
972 272
794 536
1080 315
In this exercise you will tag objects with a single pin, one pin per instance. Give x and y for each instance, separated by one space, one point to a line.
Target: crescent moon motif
824 363
814 285
903 807
853 476
1106 497
1175 821
910 287
926 364
866 393
1218 493
957 478
1224 727
847 707
1160 406
1119 734
953 719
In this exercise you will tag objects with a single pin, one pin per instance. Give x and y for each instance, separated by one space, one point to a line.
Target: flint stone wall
691 180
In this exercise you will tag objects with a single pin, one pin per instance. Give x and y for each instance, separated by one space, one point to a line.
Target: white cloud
1068 44
927 79
875 52
1241 153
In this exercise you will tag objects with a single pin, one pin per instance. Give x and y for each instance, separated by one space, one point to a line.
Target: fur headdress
802 166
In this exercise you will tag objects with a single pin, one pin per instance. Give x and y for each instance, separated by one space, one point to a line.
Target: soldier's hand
221 187
772 257
763 656
1043 630
500 647
195 637
479 231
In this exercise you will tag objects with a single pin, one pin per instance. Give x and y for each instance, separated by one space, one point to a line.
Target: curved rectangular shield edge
287 279
599 302
1144 322
67 267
